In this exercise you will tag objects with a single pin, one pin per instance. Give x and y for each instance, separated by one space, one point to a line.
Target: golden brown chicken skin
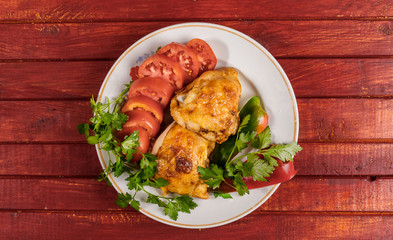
209 105
178 158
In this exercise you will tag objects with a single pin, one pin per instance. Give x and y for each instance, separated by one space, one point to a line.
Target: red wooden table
337 54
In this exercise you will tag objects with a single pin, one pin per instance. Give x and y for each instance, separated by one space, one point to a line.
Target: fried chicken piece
178 158
209 105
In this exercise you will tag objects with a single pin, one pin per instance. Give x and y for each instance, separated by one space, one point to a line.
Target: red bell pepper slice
282 173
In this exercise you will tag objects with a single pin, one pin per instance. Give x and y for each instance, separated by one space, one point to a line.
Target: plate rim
271 59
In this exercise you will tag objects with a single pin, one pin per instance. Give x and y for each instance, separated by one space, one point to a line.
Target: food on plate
193 58
154 83
163 67
264 165
144 139
209 105
178 159
144 119
282 173
258 121
200 151
146 103
207 58
205 112
154 88
185 56
258 117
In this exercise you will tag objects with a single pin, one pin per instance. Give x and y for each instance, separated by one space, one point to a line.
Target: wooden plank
309 78
281 38
320 120
299 194
345 159
346 194
56 80
339 77
345 119
49 160
193 10
92 225
45 121
318 159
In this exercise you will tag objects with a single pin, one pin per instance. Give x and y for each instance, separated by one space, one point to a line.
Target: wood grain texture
340 77
92 225
345 119
49 160
299 194
345 159
43 120
316 159
190 10
337 54
320 120
309 78
281 38
52 80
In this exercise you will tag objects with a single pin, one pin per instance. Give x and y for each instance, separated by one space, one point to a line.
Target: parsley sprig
259 164
101 129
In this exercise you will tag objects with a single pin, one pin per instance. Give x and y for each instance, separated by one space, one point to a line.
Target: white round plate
259 74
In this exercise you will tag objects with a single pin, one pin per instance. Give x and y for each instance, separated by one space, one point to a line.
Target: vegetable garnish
259 165
101 129
268 164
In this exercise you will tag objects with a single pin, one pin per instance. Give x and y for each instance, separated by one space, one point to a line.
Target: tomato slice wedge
146 103
163 67
144 119
207 58
185 56
282 173
134 73
155 88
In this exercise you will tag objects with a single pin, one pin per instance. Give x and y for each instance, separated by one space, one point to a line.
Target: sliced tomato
163 67
144 119
185 56
207 58
134 73
155 88
146 103
144 140
284 172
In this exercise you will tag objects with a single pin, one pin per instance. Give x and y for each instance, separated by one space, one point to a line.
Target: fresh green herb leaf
160 182
223 195
262 140
244 139
283 152
172 210
244 122
135 204
92 139
272 161
185 203
123 200
104 177
83 128
239 185
155 200
119 168
213 176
